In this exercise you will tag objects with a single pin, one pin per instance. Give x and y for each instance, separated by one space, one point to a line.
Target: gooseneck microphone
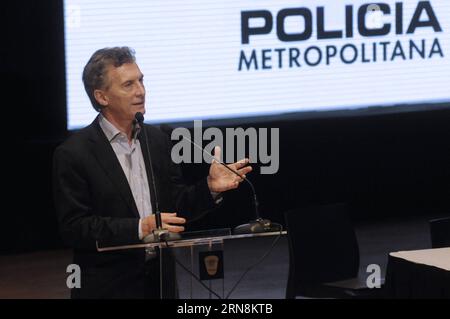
259 225
159 234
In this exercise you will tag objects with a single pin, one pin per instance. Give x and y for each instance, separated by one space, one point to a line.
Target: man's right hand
169 222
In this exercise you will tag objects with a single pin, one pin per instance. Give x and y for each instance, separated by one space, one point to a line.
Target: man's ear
101 98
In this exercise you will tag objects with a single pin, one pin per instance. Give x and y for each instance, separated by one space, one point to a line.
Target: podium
195 242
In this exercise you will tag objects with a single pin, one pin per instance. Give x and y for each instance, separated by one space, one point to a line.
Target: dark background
382 165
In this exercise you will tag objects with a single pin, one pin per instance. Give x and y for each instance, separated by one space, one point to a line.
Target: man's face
125 92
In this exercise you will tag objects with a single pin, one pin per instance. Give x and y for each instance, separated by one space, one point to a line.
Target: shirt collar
111 131
108 128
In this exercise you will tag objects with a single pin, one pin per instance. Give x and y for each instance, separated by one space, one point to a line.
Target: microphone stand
159 234
259 225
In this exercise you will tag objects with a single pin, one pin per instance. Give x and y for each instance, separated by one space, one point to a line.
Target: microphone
259 225
159 234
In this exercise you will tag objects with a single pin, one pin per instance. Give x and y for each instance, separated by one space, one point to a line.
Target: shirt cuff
141 236
217 197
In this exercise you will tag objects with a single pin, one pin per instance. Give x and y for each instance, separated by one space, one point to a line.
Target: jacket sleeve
79 225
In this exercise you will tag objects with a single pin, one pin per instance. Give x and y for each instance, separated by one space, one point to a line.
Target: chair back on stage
440 232
322 248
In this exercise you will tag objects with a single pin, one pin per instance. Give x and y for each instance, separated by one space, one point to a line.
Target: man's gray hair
94 73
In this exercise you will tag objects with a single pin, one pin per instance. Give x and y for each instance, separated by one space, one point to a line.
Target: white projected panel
209 59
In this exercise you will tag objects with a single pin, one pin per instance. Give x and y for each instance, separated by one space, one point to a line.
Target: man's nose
140 90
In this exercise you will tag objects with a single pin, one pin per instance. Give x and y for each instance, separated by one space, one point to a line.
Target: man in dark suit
102 186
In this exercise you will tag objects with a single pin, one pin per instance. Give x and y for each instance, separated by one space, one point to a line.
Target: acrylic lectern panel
191 243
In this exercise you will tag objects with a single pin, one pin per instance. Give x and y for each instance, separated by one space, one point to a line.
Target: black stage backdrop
386 165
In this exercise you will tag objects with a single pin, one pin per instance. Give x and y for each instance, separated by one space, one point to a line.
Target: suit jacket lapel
108 160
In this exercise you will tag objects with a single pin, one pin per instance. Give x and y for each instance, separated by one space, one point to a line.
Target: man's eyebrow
127 81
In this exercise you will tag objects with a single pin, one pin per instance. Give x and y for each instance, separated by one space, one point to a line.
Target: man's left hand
220 179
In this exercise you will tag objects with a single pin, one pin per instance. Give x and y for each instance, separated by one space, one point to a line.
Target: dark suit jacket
94 203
